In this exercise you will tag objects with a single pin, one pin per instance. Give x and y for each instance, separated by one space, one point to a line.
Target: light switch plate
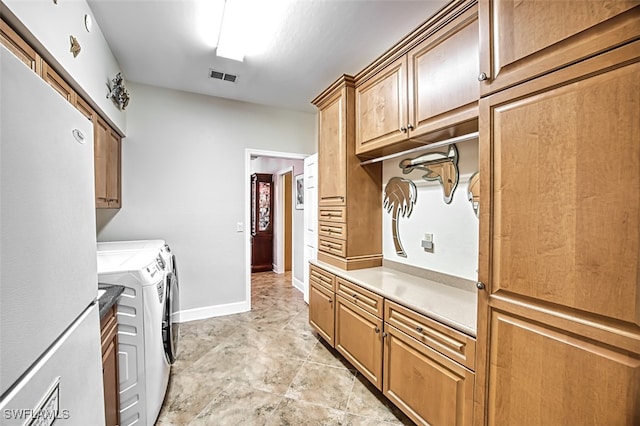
240 227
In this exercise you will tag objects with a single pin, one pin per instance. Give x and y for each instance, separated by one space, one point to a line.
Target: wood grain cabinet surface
107 159
12 41
424 367
322 303
111 382
521 40
349 206
559 320
432 87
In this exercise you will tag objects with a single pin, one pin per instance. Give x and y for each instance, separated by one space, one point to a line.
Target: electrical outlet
240 227
427 242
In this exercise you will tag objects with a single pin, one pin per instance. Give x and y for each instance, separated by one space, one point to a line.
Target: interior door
261 222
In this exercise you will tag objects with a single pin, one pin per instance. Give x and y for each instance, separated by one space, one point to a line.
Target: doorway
283 167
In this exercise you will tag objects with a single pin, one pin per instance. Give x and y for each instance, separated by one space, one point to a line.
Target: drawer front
333 246
332 214
321 277
333 229
452 343
365 299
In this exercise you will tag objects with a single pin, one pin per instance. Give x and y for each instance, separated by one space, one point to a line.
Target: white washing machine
171 327
144 323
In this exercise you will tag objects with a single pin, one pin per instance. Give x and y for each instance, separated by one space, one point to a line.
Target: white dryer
142 323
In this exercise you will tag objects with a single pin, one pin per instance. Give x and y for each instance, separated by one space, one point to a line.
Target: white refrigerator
50 354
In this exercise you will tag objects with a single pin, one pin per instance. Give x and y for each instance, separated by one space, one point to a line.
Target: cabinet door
381 108
429 387
84 108
12 41
359 339
559 246
57 82
113 170
443 77
101 159
524 39
332 152
111 383
321 311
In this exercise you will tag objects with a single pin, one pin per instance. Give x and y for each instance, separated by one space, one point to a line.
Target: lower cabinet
111 383
359 338
422 366
429 387
321 311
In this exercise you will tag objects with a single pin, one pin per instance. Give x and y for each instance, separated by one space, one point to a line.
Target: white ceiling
156 42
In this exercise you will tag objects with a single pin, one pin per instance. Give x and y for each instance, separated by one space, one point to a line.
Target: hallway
267 367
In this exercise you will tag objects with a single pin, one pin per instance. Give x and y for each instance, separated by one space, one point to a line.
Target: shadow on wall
103 217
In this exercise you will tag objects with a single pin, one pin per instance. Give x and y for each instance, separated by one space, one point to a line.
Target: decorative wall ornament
399 197
440 166
117 92
75 46
473 192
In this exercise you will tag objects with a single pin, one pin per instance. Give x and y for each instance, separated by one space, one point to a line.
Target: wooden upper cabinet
12 41
443 77
86 110
430 88
107 152
332 149
57 82
113 170
381 108
521 40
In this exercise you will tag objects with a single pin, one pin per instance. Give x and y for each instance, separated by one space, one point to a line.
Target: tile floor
268 367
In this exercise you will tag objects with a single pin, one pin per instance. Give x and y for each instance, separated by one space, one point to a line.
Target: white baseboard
298 284
213 311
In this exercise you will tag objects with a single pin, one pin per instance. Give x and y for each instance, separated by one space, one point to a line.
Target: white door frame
279 220
248 153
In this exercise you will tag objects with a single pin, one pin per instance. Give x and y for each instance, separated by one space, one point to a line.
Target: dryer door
171 328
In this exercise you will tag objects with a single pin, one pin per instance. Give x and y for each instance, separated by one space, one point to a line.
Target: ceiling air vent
222 76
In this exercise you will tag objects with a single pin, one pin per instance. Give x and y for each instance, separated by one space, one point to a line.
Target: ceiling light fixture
238 27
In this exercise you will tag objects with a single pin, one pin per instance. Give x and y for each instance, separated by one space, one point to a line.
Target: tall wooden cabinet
349 195
559 268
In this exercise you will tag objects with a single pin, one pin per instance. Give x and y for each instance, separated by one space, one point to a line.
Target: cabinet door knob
419 329
354 295
410 126
384 335
403 129
377 330
330 301
482 76
480 285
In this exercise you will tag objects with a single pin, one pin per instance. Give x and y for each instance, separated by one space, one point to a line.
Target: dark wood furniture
261 222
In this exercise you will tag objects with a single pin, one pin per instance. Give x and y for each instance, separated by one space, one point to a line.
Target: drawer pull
419 329
354 295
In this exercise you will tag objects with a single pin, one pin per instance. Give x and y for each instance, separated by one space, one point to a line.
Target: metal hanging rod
428 147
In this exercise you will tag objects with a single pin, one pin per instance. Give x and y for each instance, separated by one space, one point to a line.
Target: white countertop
447 304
